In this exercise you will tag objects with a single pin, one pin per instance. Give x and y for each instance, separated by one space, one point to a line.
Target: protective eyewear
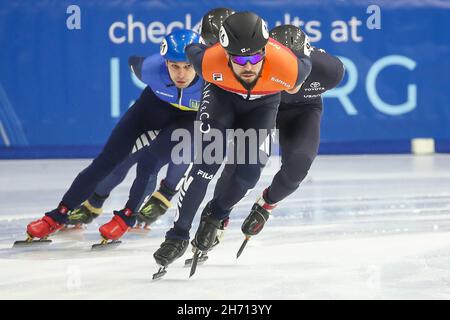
253 59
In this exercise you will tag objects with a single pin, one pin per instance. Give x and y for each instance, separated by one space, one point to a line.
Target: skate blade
31 243
106 245
241 249
201 260
158 275
194 264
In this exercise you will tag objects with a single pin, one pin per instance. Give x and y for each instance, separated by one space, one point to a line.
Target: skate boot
206 236
52 222
255 221
115 229
207 232
168 252
258 216
155 207
221 232
203 257
49 224
84 214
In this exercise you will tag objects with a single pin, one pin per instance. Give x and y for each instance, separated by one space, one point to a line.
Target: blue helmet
173 45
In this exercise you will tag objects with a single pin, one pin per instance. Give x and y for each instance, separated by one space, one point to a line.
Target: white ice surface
364 227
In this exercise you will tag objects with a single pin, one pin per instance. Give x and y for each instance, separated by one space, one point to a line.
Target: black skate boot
204 255
168 252
207 233
84 214
256 220
155 207
258 216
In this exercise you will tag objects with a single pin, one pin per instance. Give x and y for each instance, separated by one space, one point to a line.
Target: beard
247 73
247 85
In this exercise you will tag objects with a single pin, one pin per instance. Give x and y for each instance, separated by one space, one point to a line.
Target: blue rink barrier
50 152
365 147
442 146
329 148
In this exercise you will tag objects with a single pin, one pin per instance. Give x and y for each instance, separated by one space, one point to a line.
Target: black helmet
243 33
292 37
211 23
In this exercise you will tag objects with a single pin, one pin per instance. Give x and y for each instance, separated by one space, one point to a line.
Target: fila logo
217 77
205 175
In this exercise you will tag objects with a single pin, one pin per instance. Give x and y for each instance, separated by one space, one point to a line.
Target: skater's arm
195 53
303 70
336 71
135 64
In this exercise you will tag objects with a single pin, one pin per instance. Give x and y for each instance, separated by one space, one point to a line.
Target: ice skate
208 235
41 229
112 231
82 216
168 252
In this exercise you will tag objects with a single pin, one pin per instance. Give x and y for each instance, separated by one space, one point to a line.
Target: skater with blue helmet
169 101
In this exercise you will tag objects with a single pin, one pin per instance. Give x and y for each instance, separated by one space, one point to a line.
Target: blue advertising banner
64 78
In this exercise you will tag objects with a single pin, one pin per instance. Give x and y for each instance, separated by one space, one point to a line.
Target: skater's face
181 73
248 72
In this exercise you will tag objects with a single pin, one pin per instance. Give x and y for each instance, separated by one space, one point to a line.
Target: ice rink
360 227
